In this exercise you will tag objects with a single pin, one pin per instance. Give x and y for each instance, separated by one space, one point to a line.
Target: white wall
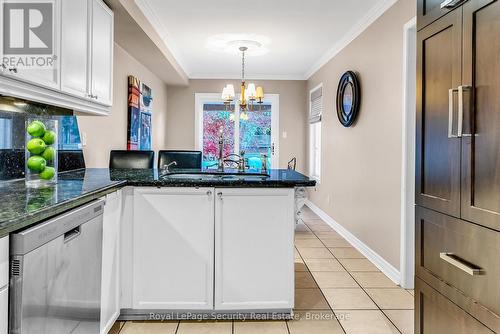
105 133
361 168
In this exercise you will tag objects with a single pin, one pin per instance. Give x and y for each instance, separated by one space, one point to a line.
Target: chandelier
249 95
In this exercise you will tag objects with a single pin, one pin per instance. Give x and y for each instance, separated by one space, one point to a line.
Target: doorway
255 133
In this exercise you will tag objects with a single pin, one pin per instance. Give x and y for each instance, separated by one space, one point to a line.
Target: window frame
315 140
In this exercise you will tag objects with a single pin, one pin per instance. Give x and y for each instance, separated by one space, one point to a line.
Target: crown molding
232 76
377 11
158 25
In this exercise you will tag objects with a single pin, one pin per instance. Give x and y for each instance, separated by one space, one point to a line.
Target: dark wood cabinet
481 134
458 167
439 65
460 260
429 11
435 314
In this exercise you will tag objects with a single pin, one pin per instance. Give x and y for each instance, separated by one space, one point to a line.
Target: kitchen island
184 243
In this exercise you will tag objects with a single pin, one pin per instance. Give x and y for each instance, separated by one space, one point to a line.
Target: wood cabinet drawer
435 314
449 251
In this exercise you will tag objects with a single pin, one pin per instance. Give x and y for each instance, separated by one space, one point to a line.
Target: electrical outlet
84 138
284 134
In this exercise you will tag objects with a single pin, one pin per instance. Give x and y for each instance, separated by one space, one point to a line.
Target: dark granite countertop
21 207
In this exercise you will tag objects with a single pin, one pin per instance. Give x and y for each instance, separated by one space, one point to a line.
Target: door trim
407 256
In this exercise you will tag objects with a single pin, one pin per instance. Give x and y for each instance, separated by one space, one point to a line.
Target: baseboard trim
388 269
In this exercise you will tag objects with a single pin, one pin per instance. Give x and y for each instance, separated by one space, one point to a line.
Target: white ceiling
303 34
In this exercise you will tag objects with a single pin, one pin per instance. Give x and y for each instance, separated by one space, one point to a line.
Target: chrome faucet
220 165
167 166
221 160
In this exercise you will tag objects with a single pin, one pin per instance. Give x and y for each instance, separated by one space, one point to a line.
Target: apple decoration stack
40 150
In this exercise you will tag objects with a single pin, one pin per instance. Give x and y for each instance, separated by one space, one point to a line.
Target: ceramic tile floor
337 290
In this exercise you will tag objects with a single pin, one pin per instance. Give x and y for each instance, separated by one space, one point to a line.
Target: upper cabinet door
481 134
429 11
438 145
102 53
74 47
41 70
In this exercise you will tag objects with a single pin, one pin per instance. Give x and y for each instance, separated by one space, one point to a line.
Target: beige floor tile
205 327
365 322
302 228
304 235
321 228
396 299
373 280
335 242
315 222
117 326
328 235
297 255
315 253
332 279
261 327
403 319
324 265
139 327
304 279
300 266
314 323
358 265
302 243
346 253
310 299
348 299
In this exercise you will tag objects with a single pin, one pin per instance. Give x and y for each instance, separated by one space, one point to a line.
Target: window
255 135
315 113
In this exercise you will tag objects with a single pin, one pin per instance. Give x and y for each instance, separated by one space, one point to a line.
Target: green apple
48 173
49 137
49 153
36 129
36 163
36 146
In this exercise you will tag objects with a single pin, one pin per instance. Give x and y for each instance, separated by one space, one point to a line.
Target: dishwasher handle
72 234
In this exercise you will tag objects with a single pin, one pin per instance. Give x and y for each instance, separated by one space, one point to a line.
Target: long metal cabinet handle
461 109
450 112
460 264
449 4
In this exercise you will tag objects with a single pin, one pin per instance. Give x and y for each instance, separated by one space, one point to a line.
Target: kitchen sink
204 176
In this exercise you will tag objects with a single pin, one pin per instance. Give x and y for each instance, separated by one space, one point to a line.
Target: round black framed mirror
348 98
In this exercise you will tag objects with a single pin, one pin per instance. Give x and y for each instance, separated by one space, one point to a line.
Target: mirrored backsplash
13 114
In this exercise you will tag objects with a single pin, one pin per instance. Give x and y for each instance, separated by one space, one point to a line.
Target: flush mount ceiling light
231 43
249 94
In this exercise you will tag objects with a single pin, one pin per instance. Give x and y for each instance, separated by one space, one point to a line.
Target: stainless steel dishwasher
55 278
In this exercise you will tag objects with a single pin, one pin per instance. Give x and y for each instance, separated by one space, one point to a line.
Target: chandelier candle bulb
251 92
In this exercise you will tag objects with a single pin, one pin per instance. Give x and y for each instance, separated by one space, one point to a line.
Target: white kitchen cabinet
82 78
4 310
254 249
75 34
173 248
110 280
4 285
102 53
46 77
